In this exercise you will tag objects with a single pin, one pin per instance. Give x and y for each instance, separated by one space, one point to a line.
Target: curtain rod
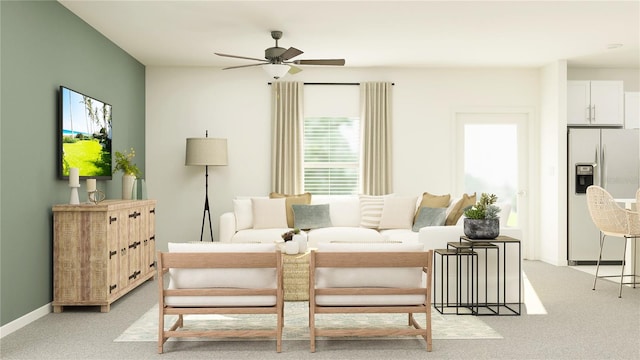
316 83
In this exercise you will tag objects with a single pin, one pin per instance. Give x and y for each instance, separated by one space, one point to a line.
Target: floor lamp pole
206 203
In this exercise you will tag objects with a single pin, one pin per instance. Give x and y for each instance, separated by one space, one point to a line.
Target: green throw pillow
308 217
429 217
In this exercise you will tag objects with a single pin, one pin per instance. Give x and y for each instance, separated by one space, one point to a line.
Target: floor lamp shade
206 151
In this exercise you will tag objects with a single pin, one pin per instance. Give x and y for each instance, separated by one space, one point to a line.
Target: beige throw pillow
432 201
458 209
397 212
269 213
299 199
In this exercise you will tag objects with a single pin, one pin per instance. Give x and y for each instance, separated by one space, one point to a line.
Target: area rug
296 324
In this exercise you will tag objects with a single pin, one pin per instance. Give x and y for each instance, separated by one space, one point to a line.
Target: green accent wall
43 46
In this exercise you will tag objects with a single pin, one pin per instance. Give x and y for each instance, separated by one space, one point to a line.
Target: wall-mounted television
84 135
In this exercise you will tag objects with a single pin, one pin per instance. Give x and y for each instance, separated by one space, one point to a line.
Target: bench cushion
221 278
369 277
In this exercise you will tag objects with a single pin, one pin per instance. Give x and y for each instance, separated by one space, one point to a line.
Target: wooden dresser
101 252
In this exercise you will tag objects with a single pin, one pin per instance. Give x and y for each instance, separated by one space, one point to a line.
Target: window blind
331 155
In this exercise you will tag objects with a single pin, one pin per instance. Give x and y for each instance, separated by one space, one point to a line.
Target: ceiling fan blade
240 57
294 69
243 66
290 53
336 62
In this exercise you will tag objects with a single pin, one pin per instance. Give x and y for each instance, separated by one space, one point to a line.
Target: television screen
84 137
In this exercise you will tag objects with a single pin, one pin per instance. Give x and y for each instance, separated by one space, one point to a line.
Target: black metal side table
470 305
501 302
483 307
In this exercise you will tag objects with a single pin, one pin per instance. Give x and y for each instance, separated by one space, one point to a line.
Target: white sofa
345 213
346 218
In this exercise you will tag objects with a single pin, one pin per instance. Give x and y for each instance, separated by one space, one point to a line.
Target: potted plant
481 220
288 236
130 171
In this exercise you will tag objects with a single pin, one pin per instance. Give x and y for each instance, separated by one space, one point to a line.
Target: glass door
493 158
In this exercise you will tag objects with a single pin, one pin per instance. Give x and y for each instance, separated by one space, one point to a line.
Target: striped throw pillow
371 210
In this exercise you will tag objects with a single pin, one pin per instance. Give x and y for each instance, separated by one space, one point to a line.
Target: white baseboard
25 320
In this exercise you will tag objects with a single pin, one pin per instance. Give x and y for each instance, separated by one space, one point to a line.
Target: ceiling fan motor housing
274 54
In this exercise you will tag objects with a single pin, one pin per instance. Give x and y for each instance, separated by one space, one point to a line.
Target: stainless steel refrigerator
604 157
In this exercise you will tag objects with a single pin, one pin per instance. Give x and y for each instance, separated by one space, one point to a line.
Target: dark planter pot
482 228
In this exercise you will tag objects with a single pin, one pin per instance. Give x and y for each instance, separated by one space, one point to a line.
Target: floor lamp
205 152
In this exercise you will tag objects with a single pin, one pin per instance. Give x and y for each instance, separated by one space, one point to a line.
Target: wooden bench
213 282
386 289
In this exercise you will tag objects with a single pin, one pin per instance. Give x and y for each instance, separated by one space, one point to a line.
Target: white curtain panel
287 116
375 117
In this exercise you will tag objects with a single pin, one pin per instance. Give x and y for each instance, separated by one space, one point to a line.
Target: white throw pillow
371 210
242 209
269 213
398 212
345 211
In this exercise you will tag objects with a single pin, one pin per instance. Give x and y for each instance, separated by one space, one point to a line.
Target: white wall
552 244
184 102
631 77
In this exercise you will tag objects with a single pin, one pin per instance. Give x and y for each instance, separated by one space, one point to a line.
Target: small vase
301 239
482 228
291 247
127 186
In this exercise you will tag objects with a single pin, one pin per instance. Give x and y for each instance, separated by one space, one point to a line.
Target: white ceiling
373 33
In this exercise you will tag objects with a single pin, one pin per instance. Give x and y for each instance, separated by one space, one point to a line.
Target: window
331 155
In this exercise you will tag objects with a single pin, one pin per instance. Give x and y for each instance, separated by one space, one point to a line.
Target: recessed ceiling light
614 46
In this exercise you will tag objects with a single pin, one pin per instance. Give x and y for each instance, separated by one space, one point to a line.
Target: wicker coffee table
296 276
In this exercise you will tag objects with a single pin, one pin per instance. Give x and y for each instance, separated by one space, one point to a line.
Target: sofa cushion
267 236
433 201
428 216
371 210
302 199
457 208
397 212
399 235
336 233
269 213
311 216
221 278
243 212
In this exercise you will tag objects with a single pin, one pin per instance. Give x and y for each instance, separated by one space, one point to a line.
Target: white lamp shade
206 151
276 71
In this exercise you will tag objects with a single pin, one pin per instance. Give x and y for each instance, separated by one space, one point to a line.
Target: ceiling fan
277 61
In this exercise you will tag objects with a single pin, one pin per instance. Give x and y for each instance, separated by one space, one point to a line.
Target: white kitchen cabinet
595 103
632 110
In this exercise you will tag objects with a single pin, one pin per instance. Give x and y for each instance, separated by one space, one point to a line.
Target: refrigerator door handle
603 175
596 164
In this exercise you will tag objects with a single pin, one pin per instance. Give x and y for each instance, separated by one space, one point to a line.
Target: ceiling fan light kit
276 60
276 71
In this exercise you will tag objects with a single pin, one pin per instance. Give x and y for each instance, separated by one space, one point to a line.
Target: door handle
604 168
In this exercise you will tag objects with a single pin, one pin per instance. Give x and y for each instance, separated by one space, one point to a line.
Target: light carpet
296 324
